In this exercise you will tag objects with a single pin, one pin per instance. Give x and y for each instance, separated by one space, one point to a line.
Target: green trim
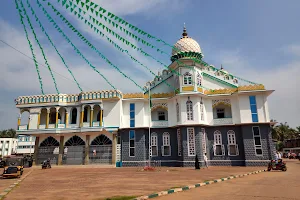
219 80
159 84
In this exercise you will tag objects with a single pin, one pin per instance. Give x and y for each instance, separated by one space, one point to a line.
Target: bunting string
41 48
70 42
96 30
44 31
100 12
105 28
92 46
72 8
31 48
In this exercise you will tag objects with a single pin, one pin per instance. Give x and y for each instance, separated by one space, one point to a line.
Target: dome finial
184 34
222 67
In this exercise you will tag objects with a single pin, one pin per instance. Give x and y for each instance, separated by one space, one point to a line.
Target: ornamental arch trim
75 141
49 142
101 140
217 102
156 106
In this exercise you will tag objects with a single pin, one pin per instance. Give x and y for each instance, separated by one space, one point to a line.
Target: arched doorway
74 150
49 148
100 151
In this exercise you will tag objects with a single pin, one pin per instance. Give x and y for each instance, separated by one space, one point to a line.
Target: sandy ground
275 185
64 183
5 183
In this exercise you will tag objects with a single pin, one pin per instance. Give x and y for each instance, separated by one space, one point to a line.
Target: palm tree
283 131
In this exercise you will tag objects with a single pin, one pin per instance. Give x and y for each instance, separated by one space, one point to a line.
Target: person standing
205 160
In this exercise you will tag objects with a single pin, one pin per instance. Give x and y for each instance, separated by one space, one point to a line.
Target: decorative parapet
65 98
133 95
145 96
232 90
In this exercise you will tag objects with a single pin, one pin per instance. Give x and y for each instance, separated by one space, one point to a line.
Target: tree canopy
9 133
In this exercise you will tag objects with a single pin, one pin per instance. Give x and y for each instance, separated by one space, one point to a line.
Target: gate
47 152
100 154
100 151
73 155
49 148
74 151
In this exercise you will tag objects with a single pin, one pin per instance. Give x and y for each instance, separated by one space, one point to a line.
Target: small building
8 146
25 144
292 145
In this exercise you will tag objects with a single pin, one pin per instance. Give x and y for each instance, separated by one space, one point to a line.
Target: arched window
201 110
199 79
232 144
177 112
154 150
74 116
218 146
187 79
189 109
166 148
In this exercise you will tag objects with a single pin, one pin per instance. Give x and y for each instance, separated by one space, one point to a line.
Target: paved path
264 186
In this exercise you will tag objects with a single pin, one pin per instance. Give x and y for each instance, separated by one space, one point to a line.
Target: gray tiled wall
244 138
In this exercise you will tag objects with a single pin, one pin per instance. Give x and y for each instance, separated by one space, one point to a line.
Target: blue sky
257 40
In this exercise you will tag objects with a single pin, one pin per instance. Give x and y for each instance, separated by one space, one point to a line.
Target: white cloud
293 49
130 7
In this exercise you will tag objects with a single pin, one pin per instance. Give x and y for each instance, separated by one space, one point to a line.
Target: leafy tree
10 133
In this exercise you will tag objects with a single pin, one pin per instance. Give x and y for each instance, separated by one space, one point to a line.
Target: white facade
25 144
8 146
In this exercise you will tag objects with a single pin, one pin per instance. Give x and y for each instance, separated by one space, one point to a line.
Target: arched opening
52 116
96 117
74 116
100 151
43 118
25 114
86 113
62 115
49 148
222 110
74 151
159 114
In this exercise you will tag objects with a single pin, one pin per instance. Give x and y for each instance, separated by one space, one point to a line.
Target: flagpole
149 124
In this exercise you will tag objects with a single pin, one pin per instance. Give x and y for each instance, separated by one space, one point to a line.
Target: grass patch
121 198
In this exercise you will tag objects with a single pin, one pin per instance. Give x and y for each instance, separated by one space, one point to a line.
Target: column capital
57 109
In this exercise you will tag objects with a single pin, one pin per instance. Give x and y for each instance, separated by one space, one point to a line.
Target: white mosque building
210 112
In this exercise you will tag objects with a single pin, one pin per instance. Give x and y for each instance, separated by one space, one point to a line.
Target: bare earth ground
5 183
275 185
69 182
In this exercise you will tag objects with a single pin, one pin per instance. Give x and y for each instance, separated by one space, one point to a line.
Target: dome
186 44
186 47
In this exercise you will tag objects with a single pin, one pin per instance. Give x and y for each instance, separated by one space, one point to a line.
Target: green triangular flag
79 9
95 6
97 13
82 4
92 10
77 1
86 1
72 9
92 3
87 7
